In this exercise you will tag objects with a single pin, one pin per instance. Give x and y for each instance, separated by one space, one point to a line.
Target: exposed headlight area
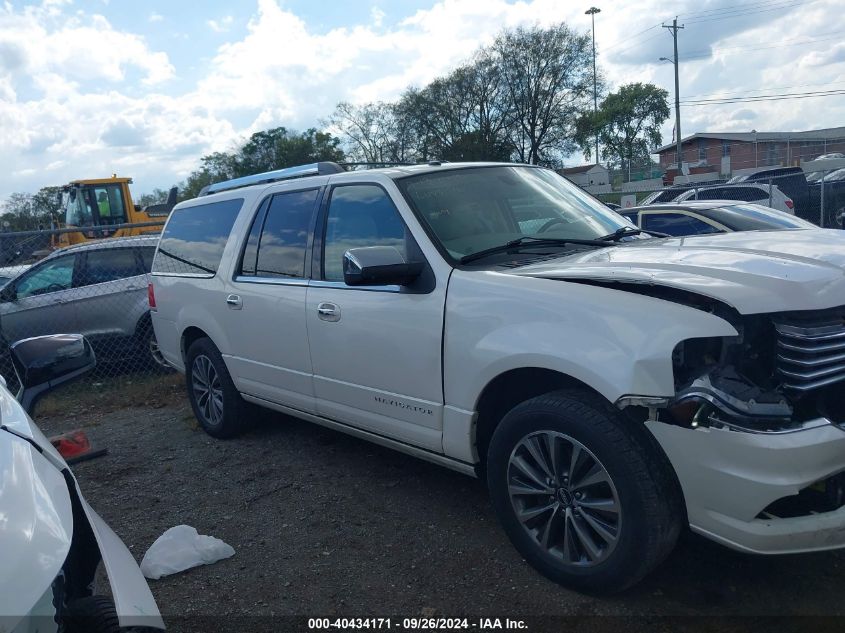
783 372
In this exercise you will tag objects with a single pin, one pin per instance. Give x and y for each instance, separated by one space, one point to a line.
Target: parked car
742 193
673 191
10 272
98 289
830 156
791 181
52 540
495 319
717 216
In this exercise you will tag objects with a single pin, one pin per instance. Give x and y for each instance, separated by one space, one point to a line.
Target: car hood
753 271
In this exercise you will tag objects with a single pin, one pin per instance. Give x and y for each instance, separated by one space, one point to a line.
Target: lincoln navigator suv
611 386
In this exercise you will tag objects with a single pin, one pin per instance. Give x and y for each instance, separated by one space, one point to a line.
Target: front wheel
93 614
581 493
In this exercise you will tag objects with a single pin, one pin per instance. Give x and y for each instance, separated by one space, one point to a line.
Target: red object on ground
74 446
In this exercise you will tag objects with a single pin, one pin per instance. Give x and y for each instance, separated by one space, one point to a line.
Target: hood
754 271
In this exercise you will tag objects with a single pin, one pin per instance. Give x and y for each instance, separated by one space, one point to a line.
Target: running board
436 458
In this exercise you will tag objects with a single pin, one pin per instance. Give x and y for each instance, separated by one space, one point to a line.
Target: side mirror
378 266
8 293
43 363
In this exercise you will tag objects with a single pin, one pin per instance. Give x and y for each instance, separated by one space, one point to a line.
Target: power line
743 11
741 92
730 9
782 44
770 97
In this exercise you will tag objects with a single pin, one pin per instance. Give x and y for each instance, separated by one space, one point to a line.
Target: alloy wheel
208 392
564 498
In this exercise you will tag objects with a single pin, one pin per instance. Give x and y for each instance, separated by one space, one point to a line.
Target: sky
144 89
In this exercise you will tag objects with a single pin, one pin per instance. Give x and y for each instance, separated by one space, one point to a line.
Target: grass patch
104 395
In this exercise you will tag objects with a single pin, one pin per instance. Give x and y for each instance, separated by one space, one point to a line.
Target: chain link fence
96 287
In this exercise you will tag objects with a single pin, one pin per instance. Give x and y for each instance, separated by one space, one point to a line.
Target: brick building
725 153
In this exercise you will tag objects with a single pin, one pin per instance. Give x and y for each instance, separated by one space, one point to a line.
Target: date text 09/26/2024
416 624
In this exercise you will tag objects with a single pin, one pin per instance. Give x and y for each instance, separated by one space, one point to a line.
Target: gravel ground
327 525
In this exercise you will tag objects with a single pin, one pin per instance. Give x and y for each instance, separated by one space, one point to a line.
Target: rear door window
110 265
193 240
281 246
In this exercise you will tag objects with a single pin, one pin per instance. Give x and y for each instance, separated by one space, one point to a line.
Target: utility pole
592 13
674 28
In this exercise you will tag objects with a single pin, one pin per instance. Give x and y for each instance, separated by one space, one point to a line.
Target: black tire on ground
93 614
588 546
222 413
148 347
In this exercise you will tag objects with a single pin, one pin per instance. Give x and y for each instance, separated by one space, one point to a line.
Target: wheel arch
508 389
191 334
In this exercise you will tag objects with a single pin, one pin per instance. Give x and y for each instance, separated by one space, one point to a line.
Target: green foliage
628 123
263 151
30 212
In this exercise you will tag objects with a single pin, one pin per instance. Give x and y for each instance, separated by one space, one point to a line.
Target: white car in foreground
51 540
610 387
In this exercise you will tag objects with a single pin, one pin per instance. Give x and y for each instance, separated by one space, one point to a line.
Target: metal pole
770 192
674 28
821 212
592 13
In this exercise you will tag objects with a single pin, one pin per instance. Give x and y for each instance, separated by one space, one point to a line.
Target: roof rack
300 171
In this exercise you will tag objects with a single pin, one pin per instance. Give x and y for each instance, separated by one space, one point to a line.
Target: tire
148 347
220 410
568 529
93 614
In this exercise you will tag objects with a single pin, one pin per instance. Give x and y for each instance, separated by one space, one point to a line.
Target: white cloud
222 25
55 124
155 17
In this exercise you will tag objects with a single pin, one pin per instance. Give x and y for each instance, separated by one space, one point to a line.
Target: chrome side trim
190 275
436 458
339 285
272 281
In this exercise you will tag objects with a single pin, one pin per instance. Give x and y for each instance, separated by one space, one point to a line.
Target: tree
462 116
628 124
263 151
548 76
373 132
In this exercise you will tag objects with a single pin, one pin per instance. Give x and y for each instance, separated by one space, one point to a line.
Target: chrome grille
811 349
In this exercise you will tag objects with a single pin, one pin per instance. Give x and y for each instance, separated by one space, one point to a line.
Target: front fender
618 343
133 599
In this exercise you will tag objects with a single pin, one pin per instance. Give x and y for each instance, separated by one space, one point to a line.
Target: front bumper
729 477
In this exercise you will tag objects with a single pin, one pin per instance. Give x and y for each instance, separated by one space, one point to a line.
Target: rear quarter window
193 240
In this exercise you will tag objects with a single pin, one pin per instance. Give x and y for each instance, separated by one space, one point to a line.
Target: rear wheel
583 496
216 402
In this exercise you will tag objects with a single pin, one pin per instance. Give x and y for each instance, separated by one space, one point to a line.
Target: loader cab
99 206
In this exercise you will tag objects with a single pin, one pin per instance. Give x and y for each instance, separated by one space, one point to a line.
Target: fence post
821 204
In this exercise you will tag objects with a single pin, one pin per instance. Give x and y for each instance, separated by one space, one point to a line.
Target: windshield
470 210
89 205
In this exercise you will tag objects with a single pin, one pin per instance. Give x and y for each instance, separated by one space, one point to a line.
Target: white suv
611 387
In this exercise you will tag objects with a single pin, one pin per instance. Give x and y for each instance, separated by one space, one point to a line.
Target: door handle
328 312
234 302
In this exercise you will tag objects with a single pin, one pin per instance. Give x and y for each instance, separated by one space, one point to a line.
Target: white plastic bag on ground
181 548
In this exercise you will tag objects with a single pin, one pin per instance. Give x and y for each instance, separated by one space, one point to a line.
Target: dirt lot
324 524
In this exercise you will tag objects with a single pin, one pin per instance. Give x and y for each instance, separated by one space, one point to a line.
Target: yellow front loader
97 204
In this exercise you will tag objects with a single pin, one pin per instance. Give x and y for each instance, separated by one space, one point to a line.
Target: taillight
790 204
151 296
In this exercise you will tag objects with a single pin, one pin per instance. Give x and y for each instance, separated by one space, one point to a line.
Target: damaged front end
755 431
